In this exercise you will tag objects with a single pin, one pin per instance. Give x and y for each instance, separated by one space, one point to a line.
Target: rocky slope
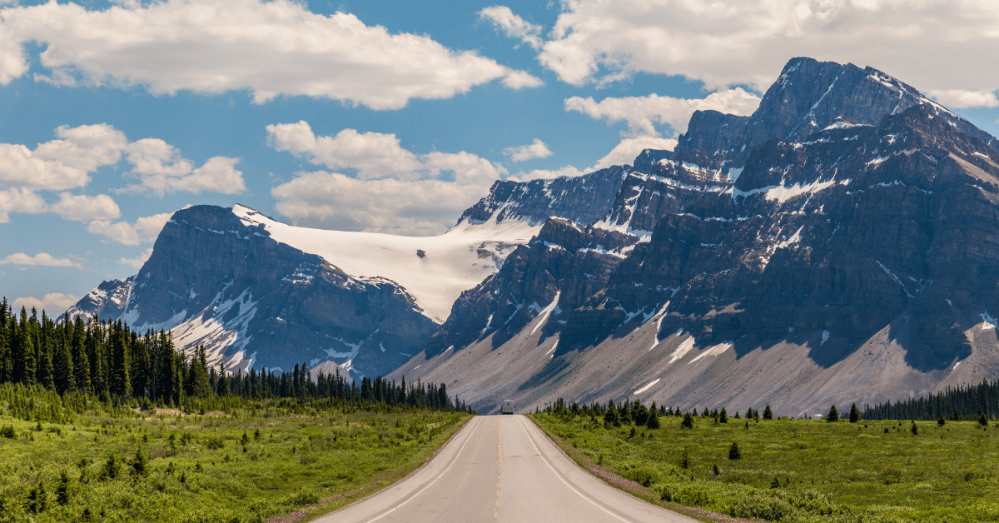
838 245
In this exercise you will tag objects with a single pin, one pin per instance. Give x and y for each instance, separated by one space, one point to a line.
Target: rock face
254 302
106 301
845 236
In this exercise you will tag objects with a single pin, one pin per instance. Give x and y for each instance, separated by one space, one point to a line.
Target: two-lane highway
501 468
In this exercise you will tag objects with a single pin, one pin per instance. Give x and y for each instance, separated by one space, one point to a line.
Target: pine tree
688 421
733 452
941 422
833 415
120 383
24 353
854 413
222 384
722 416
653 421
767 413
81 364
62 491
63 362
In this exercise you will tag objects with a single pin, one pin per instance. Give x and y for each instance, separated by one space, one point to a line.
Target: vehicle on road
507 407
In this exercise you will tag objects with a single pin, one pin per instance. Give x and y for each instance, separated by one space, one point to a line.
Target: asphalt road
501 468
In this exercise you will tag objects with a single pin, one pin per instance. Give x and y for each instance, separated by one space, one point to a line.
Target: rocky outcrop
106 301
584 199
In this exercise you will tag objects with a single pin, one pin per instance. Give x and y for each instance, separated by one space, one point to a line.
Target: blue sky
389 116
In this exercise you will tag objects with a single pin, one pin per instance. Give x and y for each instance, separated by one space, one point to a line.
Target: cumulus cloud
375 155
64 163
19 200
68 161
959 99
137 262
535 149
54 303
270 48
514 26
144 229
946 42
42 259
625 152
338 201
642 113
84 208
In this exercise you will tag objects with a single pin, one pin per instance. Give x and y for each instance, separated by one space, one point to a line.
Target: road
501 468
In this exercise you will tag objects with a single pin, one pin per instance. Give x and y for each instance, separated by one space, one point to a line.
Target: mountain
838 245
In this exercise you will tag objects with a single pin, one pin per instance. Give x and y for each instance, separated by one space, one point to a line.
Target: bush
8 432
690 494
642 476
688 421
759 506
215 443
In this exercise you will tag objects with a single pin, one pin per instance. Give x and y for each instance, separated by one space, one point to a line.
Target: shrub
140 466
688 421
215 443
8 432
759 506
690 494
642 476
685 459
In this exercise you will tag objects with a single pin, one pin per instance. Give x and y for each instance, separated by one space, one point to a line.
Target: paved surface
501 468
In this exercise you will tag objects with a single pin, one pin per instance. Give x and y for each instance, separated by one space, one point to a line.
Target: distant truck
507 407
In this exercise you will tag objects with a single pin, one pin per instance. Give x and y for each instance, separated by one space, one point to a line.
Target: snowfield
453 262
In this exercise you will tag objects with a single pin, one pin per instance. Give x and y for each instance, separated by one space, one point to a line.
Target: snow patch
990 322
647 387
825 338
714 351
681 351
546 312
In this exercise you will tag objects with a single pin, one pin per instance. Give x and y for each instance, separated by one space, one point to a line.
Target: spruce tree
722 416
854 413
688 421
24 353
120 383
46 371
81 364
63 363
653 421
767 413
941 422
833 415
733 452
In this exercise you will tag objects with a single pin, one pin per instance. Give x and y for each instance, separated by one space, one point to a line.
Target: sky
390 116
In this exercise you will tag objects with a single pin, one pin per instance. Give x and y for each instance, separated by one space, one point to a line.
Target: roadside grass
294 459
799 470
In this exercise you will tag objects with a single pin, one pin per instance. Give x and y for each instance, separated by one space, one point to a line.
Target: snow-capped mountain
838 245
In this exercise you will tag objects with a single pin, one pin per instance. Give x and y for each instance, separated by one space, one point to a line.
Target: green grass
801 470
198 468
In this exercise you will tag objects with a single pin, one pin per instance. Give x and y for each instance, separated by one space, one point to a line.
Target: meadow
793 470
71 458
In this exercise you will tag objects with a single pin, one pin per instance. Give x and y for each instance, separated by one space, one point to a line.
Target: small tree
956 416
653 421
688 421
685 459
611 416
854 413
767 413
833 415
38 499
733 451
723 416
942 421
140 466
982 420
914 429
62 492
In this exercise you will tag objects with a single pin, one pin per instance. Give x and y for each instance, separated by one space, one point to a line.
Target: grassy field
267 460
798 470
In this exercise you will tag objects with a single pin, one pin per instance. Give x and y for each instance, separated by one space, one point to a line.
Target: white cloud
64 163
270 48
547 174
42 259
218 174
19 200
946 43
137 262
337 201
144 229
625 152
960 99
376 155
514 26
642 113
84 208
519 79
54 303
536 149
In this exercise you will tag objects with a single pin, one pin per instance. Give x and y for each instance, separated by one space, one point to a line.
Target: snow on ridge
452 262
714 350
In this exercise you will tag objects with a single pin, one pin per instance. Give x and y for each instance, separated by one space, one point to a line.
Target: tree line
972 400
109 361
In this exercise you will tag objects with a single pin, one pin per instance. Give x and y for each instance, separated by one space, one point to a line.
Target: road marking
453 461
594 503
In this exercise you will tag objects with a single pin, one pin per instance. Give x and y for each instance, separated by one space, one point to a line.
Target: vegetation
72 458
982 398
98 423
791 470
